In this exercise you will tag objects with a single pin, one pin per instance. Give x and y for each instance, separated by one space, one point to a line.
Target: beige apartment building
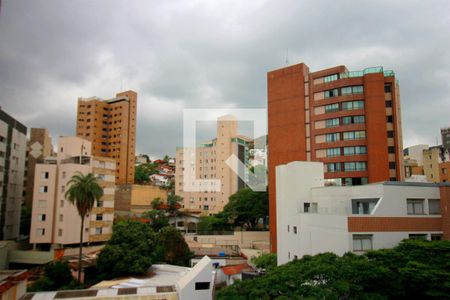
55 220
111 127
39 147
132 200
434 160
208 162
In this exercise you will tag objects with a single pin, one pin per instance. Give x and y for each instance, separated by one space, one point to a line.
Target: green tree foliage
211 224
143 171
128 252
413 270
267 261
83 191
171 248
157 219
173 205
247 207
57 276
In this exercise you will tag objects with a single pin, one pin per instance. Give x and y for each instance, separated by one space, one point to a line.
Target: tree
157 219
247 207
57 276
210 224
412 270
267 261
83 191
166 158
129 251
172 248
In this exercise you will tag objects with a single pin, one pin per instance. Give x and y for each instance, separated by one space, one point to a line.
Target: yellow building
132 200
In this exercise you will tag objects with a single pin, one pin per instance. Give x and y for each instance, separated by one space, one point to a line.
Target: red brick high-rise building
350 121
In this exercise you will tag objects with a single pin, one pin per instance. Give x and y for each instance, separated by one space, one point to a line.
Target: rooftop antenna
287 56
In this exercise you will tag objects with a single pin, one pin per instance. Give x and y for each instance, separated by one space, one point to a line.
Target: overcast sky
212 54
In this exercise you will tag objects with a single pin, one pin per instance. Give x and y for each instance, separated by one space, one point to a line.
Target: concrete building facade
313 218
54 219
39 147
13 145
350 121
132 200
209 162
111 127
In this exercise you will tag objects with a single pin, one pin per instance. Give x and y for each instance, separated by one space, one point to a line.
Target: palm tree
84 190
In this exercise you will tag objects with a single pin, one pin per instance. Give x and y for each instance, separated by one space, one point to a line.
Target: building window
351 105
392 165
415 206
388 103
363 206
332 137
391 149
44 175
420 236
331 152
436 236
60 232
354 135
61 203
99 203
356 150
332 122
444 171
362 242
63 188
41 217
205 207
330 78
202 286
43 189
353 120
310 207
387 88
63 175
40 231
294 228
390 134
331 107
333 167
295 257
355 166
98 230
99 217
42 203
389 119
331 93
434 206
289 228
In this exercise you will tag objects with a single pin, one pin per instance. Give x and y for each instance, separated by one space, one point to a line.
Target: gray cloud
201 54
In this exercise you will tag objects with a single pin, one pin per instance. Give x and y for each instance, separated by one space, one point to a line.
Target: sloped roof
236 269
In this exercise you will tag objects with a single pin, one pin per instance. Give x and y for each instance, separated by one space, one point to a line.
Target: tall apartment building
39 147
210 164
54 220
350 121
13 146
111 127
435 163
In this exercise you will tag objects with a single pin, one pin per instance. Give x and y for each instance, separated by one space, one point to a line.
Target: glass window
434 206
41 217
419 236
333 167
363 206
349 135
391 149
362 242
359 89
332 122
332 107
355 166
294 229
359 119
330 78
331 152
310 207
358 104
415 206
361 134
332 137
331 93
346 90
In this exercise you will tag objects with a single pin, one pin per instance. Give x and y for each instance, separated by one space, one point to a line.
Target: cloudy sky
212 54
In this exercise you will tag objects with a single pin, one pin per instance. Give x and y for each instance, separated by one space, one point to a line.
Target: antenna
287 56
